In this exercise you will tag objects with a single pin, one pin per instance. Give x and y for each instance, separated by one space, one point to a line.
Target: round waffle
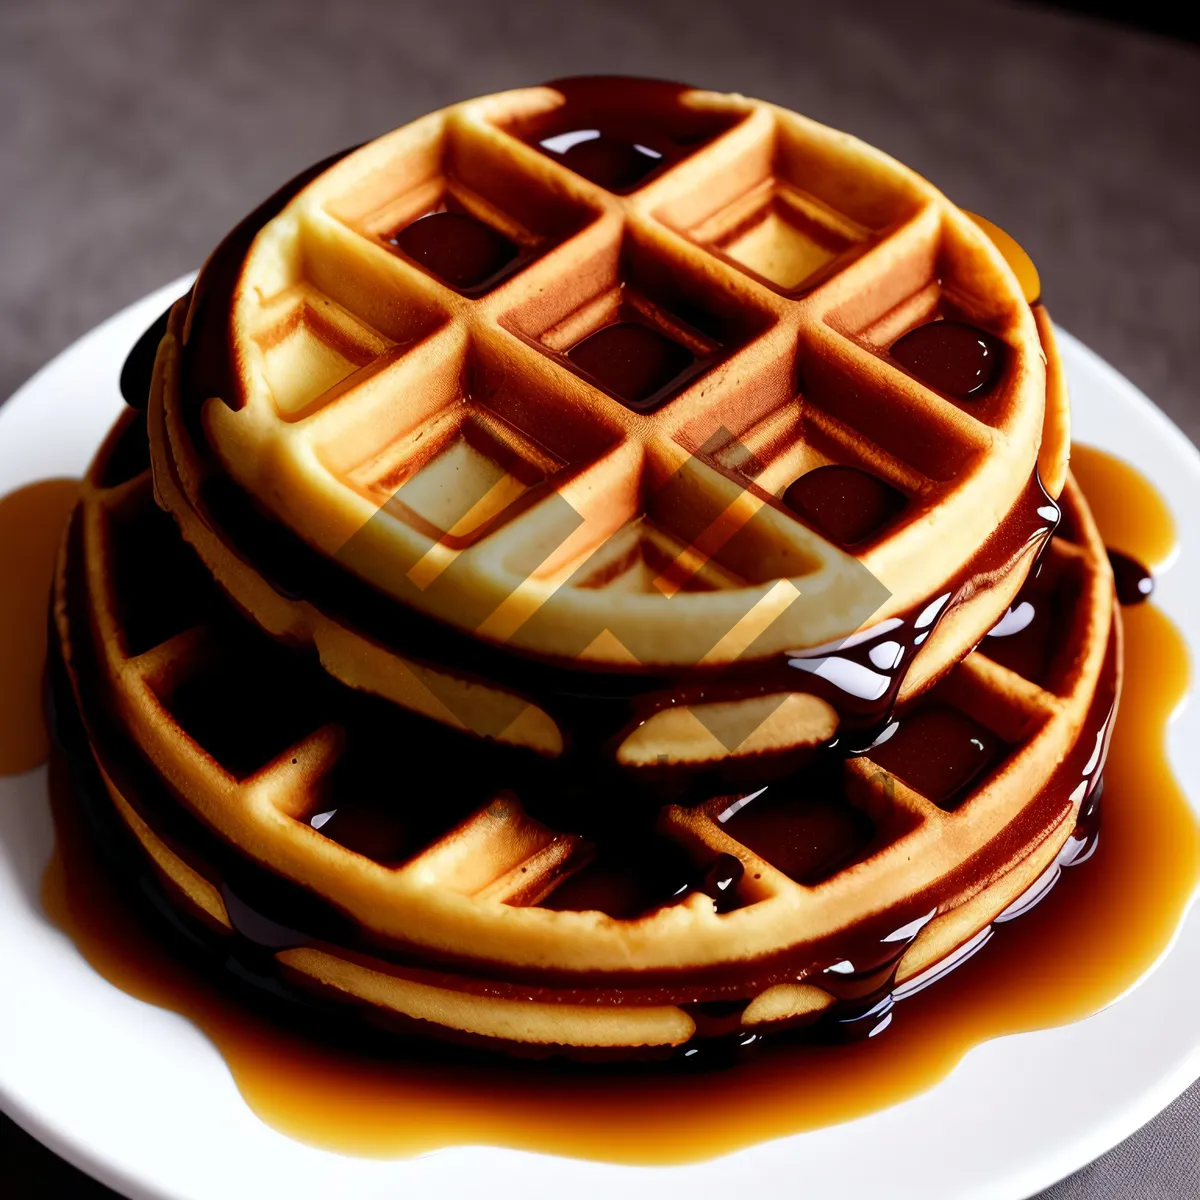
351 409
359 851
367 394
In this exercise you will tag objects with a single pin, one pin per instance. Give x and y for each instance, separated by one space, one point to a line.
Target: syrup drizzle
938 751
847 504
1133 582
621 133
1116 915
217 707
634 361
599 710
961 360
459 249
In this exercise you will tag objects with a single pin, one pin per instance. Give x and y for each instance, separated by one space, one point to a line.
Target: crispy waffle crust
446 904
463 635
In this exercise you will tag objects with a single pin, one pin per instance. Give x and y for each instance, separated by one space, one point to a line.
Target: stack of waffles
595 571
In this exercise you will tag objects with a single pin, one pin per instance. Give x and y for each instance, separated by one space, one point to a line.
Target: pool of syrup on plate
1094 935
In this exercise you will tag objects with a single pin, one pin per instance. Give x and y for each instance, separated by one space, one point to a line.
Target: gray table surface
134 134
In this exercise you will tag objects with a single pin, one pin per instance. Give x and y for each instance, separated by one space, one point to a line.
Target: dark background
134 134
1181 20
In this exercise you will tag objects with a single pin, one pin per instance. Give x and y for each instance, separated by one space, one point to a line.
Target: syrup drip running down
1115 916
1133 582
863 674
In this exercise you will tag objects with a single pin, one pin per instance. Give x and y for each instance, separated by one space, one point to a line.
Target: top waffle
551 366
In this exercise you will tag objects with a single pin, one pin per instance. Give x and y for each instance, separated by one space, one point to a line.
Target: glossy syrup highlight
1096 932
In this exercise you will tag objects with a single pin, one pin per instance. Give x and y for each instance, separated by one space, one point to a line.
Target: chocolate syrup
598 708
139 365
260 928
1030 636
808 830
635 362
846 504
720 879
938 750
1133 582
626 881
764 1123
584 705
262 901
961 360
269 913
621 133
616 163
459 249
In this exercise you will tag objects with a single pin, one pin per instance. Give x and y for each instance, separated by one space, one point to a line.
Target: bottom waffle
263 799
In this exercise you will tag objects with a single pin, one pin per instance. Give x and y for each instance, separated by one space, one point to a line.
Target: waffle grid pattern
362 372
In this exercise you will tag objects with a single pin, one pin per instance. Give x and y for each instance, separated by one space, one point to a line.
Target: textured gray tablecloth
134 134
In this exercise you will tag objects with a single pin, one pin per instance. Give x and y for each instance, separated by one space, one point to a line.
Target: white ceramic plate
137 1097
